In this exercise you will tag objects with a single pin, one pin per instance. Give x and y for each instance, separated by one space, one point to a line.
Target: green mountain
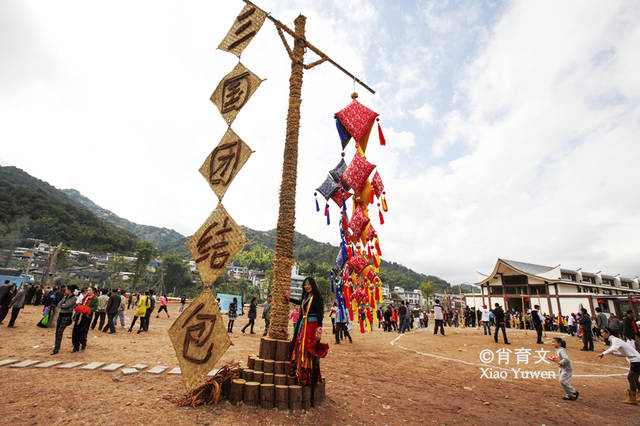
30 207
313 257
153 234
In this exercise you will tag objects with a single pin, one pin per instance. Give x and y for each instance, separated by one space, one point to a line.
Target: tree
11 235
267 284
144 253
427 289
117 264
62 261
325 290
308 268
176 274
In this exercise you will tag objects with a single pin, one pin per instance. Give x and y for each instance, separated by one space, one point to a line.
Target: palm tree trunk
285 231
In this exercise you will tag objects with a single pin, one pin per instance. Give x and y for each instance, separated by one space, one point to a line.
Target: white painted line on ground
395 340
157 369
599 365
8 361
128 371
140 366
175 371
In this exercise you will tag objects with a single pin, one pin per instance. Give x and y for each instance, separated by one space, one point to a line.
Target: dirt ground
382 378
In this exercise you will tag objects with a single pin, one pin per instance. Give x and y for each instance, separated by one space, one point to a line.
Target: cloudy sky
512 127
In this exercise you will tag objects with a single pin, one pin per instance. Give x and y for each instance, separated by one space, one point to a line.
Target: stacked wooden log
268 381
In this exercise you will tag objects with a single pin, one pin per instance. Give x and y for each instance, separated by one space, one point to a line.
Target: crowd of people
86 309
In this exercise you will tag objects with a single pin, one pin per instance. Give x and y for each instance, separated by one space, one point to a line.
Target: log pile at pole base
268 382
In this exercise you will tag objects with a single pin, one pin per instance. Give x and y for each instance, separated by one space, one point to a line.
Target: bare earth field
381 378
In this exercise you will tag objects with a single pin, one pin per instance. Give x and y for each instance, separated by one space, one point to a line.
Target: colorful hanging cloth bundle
354 279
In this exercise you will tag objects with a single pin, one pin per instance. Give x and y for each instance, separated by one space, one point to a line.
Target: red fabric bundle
83 309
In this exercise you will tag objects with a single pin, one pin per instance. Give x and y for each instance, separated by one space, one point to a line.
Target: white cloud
424 114
539 139
550 170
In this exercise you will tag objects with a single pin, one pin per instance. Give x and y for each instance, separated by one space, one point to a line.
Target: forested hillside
153 234
313 257
30 207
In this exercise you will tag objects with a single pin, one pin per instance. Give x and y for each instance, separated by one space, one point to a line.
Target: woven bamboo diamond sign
244 28
224 162
199 338
233 92
215 244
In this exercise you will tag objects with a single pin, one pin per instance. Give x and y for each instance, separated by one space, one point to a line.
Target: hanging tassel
328 218
315 194
380 214
380 135
375 262
369 255
384 202
371 194
349 252
377 293
361 324
378 247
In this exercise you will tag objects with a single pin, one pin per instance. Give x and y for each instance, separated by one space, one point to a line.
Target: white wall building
413 297
557 290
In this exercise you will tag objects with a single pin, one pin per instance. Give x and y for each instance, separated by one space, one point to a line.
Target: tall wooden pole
285 232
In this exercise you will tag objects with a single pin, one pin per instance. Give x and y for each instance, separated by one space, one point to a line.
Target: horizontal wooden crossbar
323 57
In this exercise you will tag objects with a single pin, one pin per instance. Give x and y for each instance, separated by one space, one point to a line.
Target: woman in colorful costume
306 348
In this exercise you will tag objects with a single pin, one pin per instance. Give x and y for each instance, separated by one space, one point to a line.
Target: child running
565 368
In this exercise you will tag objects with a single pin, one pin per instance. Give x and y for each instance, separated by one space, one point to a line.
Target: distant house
413 297
517 285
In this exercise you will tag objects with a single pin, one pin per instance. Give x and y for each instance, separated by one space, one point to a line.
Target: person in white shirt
572 325
439 316
486 318
621 348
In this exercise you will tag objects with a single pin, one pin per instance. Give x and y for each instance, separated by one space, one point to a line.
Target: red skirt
306 347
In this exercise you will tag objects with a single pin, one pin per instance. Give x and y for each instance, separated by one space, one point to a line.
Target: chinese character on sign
199 338
216 252
542 356
522 355
503 355
244 28
233 92
224 162
201 323
215 244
